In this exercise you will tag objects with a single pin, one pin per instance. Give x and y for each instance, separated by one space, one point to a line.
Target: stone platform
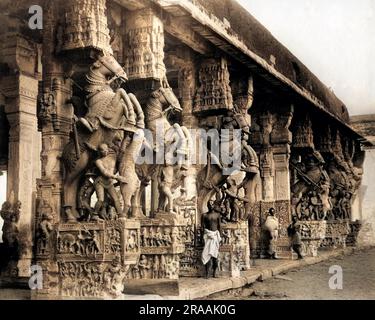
200 288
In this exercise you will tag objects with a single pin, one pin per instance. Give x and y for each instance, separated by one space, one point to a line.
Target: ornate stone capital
85 25
214 92
145 45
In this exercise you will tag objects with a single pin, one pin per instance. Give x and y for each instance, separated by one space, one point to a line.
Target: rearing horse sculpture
175 140
108 112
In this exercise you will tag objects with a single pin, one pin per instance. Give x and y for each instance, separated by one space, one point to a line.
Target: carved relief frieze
303 134
78 241
214 91
144 56
85 25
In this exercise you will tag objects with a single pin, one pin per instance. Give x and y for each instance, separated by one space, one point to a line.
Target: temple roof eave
215 31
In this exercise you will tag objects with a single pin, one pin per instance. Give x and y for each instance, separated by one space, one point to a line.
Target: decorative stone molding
214 92
93 259
144 40
85 25
312 235
234 254
162 241
336 234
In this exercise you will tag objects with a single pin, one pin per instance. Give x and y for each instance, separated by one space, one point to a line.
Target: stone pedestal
336 233
92 259
162 240
234 255
312 234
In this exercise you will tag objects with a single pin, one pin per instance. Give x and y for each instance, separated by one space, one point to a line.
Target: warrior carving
109 113
310 193
249 164
173 139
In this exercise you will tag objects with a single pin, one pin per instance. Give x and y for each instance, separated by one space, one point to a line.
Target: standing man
271 226
211 229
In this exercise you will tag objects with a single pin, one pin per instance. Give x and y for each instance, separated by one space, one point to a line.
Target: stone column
21 91
24 161
144 40
187 85
266 158
281 139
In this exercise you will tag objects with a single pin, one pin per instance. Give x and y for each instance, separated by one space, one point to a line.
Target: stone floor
260 283
312 282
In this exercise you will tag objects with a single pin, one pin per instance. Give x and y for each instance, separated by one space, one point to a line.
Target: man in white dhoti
271 226
211 234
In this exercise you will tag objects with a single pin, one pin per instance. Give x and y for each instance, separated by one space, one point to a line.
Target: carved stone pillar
187 86
85 25
21 92
144 41
214 91
281 139
55 117
266 158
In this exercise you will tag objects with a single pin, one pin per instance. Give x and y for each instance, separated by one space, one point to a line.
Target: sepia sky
335 39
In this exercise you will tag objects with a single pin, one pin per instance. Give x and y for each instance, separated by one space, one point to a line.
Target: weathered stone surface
110 182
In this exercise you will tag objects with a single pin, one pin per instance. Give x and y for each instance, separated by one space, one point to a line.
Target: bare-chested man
211 234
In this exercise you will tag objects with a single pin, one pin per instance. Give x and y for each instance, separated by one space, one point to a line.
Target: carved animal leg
70 199
250 189
169 196
113 194
136 205
126 191
71 184
129 109
138 110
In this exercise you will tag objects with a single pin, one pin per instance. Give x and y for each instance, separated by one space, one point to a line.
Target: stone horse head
160 102
105 67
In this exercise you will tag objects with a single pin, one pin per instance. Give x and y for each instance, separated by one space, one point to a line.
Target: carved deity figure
233 201
87 189
44 231
175 236
10 213
167 240
144 237
48 107
143 266
156 267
